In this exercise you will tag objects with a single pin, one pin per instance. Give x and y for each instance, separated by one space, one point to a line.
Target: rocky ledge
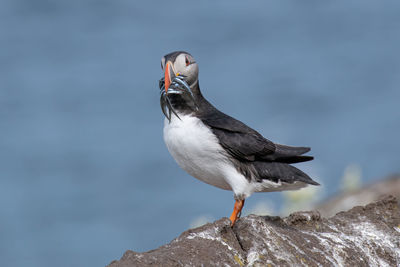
362 236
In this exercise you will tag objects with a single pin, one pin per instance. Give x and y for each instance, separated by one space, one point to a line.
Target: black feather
244 143
295 159
277 171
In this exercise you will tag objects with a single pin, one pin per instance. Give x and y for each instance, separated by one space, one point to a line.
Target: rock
361 196
362 236
209 244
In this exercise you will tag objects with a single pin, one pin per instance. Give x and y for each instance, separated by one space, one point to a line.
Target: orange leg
237 210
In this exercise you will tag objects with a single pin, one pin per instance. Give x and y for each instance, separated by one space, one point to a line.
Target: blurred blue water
84 171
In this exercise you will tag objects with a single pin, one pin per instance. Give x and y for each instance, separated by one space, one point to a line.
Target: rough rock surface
362 236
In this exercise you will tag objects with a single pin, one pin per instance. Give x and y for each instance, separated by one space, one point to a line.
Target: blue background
85 174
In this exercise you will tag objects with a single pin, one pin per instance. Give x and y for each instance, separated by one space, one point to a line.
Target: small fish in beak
177 86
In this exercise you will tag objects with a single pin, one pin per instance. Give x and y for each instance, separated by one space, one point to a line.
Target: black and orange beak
168 75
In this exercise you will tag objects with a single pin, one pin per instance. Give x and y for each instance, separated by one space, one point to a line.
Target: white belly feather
196 150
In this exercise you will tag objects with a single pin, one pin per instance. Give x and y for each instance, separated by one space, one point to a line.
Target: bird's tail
277 171
289 154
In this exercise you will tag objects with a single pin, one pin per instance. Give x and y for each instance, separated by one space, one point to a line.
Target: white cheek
163 63
181 70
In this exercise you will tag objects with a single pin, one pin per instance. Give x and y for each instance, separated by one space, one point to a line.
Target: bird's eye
187 61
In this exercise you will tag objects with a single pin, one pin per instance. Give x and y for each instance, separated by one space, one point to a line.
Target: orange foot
237 210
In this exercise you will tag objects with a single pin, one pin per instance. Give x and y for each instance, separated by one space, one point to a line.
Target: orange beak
167 79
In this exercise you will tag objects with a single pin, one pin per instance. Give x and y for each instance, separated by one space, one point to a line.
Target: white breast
196 149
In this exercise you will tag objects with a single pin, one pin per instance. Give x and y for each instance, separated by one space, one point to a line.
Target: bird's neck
185 105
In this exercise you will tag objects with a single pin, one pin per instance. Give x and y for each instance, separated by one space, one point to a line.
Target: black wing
238 139
246 144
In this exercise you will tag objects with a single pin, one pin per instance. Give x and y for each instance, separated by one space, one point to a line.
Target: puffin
218 149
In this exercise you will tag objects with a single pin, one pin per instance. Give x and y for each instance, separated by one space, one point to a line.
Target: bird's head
182 65
179 88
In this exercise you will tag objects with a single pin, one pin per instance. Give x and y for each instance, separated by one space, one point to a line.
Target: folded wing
246 144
